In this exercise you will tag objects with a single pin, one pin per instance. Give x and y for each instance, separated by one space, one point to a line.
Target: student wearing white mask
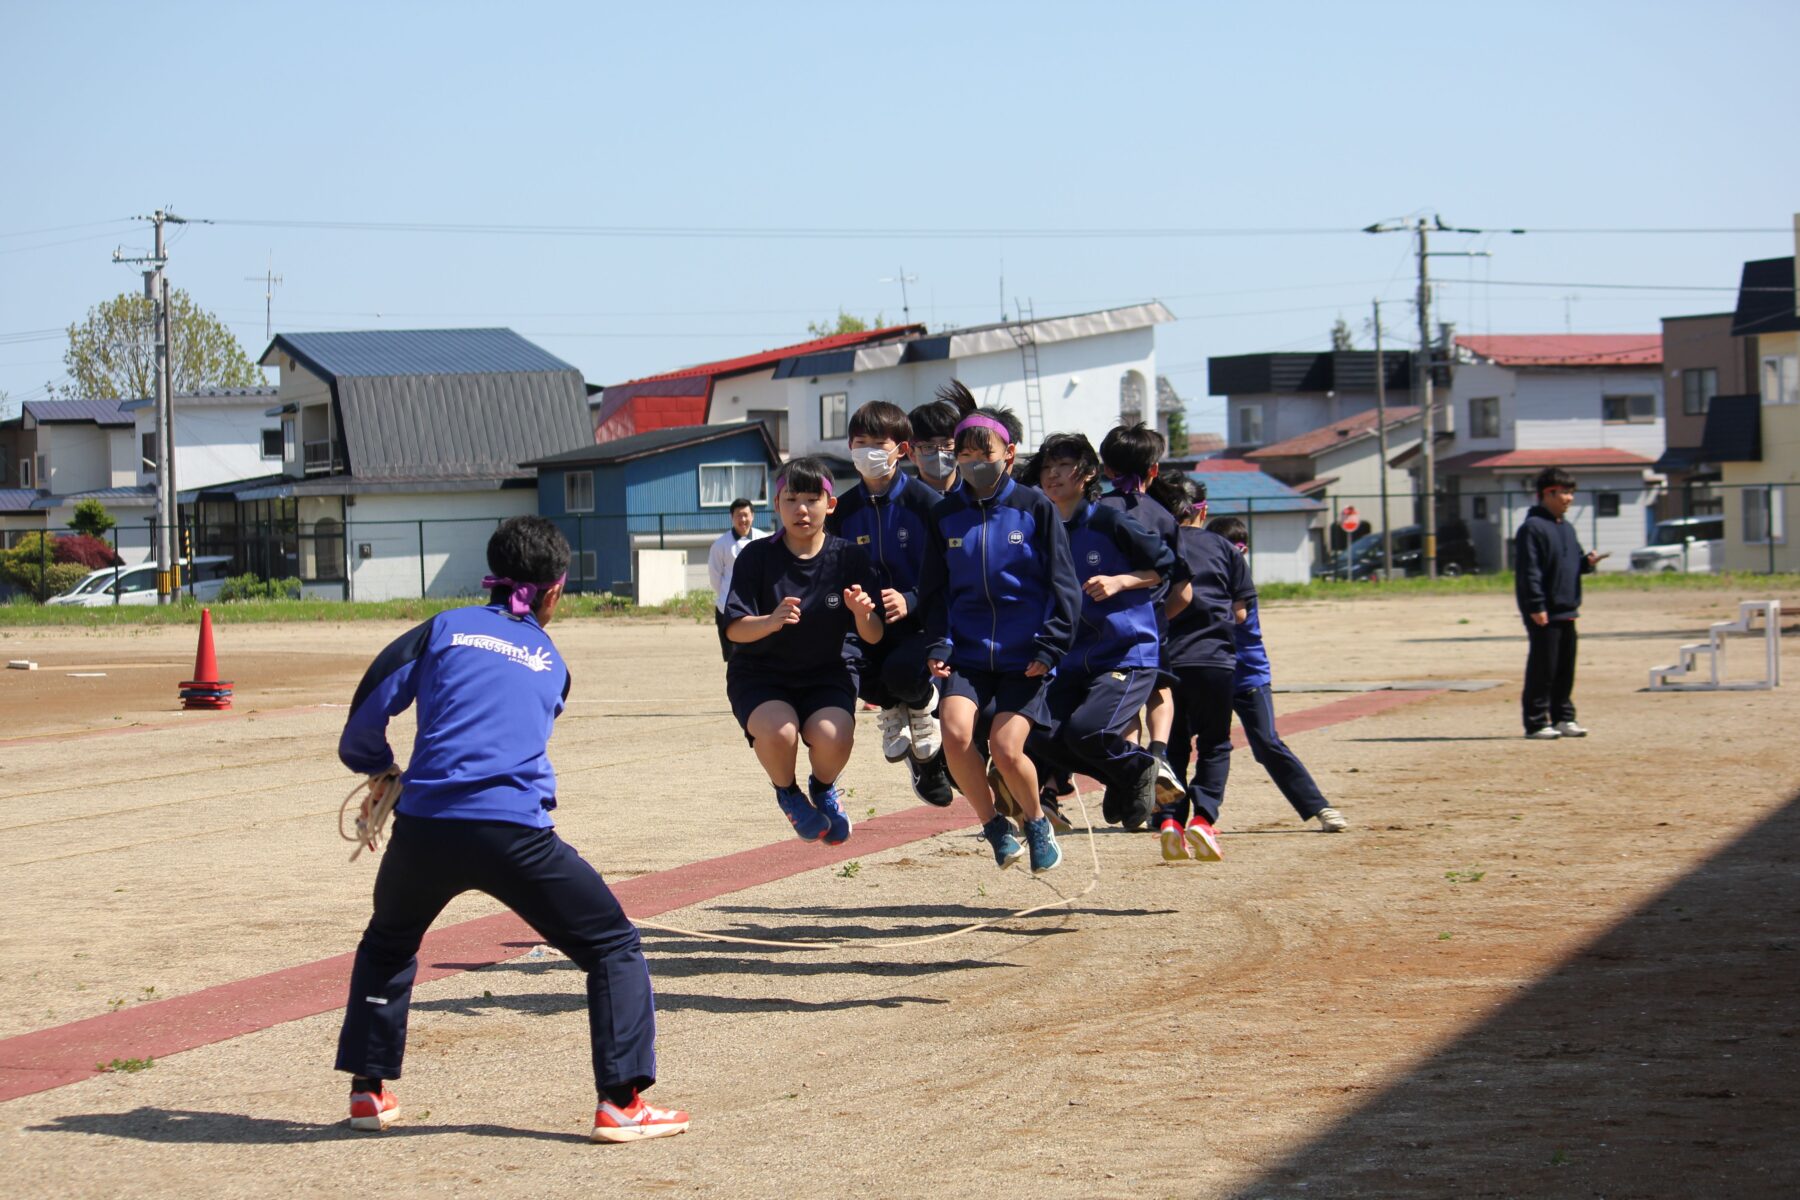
886 516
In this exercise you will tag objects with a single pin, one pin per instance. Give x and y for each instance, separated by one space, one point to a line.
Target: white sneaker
1570 729
1548 733
927 735
896 733
1331 820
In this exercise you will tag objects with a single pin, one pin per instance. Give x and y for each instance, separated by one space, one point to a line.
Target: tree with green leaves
91 518
1341 338
112 354
1178 437
845 324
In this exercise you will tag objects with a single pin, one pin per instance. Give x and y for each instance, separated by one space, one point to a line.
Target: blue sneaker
999 834
1046 855
830 806
808 822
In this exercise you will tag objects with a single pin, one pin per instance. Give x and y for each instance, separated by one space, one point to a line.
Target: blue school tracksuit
1111 669
1202 653
893 529
1160 521
474 815
1254 701
1000 593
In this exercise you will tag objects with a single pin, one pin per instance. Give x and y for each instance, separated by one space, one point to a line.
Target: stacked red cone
206 690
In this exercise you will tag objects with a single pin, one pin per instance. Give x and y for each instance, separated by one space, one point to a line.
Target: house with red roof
1080 373
1517 403
1340 465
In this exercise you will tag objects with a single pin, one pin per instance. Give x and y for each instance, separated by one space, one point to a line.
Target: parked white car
137 585
1683 544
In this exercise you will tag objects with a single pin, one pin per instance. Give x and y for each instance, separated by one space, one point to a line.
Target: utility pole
1427 405
1422 379
270 281
156 290
1381 438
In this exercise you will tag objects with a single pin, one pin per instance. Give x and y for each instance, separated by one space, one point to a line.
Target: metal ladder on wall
1034 391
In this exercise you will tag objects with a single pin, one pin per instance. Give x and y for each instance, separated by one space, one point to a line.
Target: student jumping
1202 652
1111 668
474 815
886 516
793 601
1132 455
1001 597
1253 700
933 455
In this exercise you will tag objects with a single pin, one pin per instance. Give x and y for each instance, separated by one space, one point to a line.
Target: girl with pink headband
1000 596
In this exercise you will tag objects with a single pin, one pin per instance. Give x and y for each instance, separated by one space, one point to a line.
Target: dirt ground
1563 969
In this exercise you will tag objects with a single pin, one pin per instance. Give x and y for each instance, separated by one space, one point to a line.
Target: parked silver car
137 584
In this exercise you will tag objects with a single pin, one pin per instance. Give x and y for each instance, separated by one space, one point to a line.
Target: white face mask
872 462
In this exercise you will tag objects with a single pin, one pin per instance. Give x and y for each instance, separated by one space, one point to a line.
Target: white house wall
456 529
214 444
1281 547
1556 410
1510 496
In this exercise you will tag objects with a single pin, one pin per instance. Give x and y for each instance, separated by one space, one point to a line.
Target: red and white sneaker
1203 840
1174 845
636 1121
371 1112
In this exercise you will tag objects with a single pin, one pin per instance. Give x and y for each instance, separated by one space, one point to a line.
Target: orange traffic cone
206 690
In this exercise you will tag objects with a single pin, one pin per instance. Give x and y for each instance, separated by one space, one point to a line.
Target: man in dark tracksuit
1548 564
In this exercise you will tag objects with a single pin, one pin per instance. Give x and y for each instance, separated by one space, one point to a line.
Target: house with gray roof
55 454
400 452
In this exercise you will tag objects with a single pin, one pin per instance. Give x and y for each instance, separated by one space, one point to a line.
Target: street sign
1349 522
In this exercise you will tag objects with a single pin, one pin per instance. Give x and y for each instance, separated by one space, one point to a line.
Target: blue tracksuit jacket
489 687
1252 669
1122 631
892 530
999 588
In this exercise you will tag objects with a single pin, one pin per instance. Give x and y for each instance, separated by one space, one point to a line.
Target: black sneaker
1053 809
1112 805
931 781
1142 800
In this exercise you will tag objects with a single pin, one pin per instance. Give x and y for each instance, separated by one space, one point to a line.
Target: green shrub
254 587
31 567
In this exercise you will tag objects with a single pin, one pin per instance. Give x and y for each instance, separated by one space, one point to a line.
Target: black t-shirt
1202 635
767 573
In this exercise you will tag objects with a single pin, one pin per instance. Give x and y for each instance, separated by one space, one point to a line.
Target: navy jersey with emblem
767 573
999 588
489 687
1157 520
1203 634
891 528
1121 631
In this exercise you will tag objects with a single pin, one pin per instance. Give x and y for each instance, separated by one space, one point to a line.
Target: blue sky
924 117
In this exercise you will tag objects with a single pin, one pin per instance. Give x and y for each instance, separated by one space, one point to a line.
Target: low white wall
455 531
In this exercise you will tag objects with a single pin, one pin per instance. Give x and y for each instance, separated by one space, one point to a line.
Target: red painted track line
64 1054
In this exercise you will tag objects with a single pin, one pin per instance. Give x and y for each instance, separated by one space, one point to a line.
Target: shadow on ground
185 1127
1658 1061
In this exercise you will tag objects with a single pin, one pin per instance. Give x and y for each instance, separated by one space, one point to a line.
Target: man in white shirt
721 558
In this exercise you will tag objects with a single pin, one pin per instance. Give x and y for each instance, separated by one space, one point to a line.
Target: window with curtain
1698 386
578 491
721 483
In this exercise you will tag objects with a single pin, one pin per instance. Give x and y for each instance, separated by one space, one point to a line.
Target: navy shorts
1001 691
1104 703
747 694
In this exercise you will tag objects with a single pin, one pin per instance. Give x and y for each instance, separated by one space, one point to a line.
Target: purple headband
824 484
522 594
1127 484
977 421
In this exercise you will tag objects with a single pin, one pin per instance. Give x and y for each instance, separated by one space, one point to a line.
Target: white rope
962 931
379 795
381 792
